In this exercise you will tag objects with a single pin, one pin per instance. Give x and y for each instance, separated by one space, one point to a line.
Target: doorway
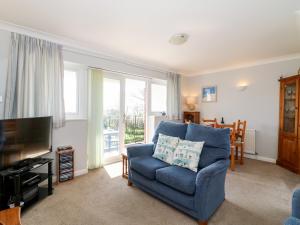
124 114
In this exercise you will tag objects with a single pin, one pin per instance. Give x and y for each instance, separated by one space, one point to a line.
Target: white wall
258 104
75 131
75 134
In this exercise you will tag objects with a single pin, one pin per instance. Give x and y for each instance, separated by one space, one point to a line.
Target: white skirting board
261 158
80 172
250 150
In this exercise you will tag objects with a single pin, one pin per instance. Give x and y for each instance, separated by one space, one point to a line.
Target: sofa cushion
171 129
216 146
164 192
179 178
165 148
296 204
209 155
147 166
187 154
213 137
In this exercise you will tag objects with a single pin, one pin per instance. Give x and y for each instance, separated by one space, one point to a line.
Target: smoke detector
178 39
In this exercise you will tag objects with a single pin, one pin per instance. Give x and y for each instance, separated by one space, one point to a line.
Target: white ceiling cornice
223 35
247 65
78 47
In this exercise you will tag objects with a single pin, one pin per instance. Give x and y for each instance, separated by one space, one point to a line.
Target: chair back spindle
241 130
232 128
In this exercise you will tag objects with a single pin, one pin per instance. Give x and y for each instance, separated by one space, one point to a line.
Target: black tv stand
21 184
28 163
23 163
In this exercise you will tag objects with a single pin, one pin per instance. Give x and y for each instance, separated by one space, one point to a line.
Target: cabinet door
289 107
289 149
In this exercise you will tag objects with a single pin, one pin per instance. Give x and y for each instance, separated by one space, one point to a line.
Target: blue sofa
295 218
199 193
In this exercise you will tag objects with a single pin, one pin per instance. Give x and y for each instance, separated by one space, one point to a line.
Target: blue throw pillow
171 129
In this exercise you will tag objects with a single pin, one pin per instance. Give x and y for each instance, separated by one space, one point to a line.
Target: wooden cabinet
289 124
193 117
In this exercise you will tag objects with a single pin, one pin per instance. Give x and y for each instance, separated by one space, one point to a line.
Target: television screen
24 138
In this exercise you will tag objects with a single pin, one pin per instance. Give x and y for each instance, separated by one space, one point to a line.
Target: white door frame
122 79
114 76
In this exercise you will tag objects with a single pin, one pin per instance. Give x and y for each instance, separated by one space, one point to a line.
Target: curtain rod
120 72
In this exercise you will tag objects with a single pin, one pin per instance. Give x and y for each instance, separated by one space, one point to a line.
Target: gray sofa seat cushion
147 166
216 146
171 129
179 178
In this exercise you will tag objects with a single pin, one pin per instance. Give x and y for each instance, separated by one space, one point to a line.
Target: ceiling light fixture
178 39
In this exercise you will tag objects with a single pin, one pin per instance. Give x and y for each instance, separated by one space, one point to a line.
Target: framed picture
209 94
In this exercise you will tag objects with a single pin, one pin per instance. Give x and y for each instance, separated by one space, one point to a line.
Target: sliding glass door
112 118
124 112
135 111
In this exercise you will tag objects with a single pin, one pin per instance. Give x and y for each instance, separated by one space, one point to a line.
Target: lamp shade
191 100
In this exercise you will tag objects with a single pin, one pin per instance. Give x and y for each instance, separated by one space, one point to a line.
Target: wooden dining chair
232 128
240 140
10 216
210 122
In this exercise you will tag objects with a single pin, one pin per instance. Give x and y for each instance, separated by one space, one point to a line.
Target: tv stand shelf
16 183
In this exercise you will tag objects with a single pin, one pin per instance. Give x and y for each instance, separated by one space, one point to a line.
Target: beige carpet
257 193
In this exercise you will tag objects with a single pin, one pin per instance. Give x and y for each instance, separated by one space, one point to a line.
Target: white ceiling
222 33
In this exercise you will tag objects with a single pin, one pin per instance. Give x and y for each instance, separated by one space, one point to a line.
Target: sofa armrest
296 204
140 150
211 171
210 188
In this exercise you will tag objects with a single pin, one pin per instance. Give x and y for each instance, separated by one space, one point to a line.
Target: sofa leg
202 222
129 183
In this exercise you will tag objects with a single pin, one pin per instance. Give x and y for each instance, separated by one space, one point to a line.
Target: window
71 92
75 91
158 97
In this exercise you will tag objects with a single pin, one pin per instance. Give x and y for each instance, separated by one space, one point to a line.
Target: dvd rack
65 163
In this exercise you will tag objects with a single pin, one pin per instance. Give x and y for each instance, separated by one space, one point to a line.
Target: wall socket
1 99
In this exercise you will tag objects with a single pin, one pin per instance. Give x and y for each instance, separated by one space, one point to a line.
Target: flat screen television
22 139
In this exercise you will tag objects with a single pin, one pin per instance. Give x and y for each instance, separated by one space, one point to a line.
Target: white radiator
250 141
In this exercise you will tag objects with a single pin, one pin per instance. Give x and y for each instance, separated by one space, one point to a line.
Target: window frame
82 82
77 95
157 82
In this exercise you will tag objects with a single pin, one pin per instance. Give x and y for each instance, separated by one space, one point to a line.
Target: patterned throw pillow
187 154
165 148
